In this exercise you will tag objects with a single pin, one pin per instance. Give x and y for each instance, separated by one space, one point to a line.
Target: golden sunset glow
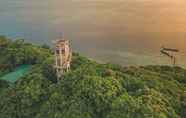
92 58
104 26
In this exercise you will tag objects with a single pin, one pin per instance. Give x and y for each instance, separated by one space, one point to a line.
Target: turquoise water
17 74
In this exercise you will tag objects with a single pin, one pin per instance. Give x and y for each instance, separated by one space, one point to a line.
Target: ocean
126 32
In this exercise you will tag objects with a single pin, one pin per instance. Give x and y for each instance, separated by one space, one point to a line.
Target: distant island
88 90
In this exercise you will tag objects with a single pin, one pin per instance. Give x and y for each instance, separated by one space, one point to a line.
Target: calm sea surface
127 32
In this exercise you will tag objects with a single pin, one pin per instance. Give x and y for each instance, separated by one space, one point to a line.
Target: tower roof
61 42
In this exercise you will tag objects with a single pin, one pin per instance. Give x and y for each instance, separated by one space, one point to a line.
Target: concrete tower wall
63 55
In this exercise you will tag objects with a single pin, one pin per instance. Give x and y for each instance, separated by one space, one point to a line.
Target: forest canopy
89 89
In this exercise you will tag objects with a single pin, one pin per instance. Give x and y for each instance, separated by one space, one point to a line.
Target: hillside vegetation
89 90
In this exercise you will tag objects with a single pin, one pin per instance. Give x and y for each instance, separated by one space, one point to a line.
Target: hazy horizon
127 32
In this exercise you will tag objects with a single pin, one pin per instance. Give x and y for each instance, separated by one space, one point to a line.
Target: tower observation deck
63 55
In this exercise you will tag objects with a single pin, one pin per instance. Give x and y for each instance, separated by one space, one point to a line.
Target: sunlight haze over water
128 32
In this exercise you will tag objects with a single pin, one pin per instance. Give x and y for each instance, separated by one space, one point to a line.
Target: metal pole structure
167 51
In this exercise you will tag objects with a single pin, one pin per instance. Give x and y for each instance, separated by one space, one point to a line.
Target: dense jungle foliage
89 90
